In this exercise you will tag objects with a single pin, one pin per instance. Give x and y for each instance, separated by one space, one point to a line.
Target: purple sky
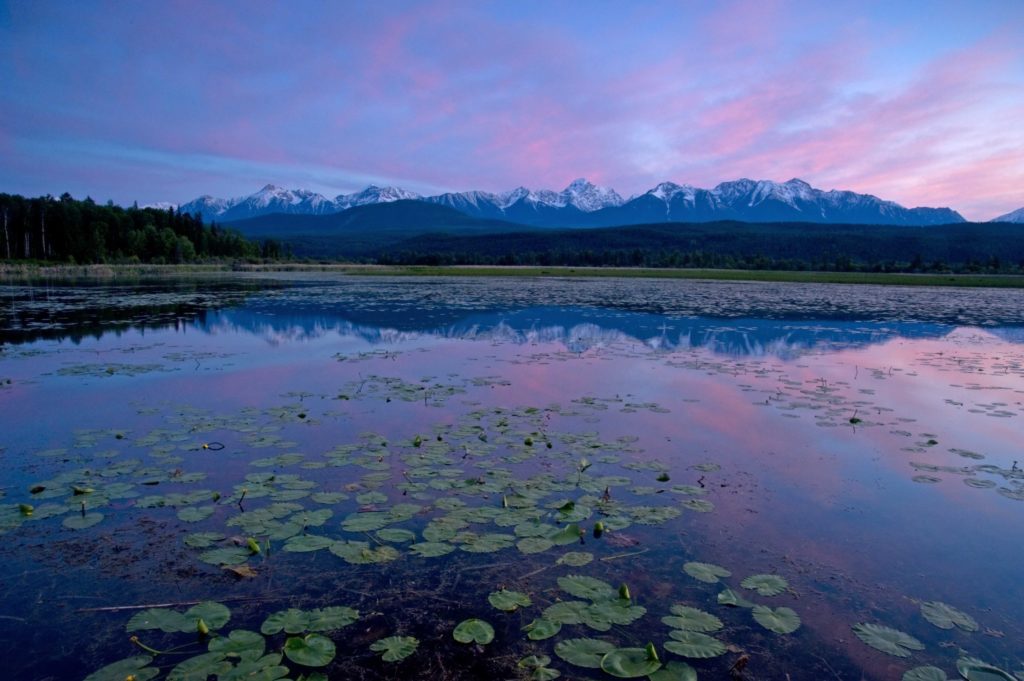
917 102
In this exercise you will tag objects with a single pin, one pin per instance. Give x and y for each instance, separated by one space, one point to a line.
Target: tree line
64 229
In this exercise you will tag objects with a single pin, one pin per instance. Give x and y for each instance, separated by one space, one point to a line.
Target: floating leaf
306 543
81 522
630 663
544 674
170 621
200 668
675 671
488 543
255 668
946 616
431 549
232 555
534 544
193 514
779 620
570 534
575 558
203 540
331 618
583 652
215 615
706 572
566 612
474 631
509 601
692 619
891 641
976 670
694 644
241 643
925 674
396 534
766 585
542 628
291 621
395 648
135 667
312 650
591 588
731 598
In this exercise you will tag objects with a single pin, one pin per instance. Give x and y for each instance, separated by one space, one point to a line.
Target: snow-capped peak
589 197
373 194
667 191
1014 216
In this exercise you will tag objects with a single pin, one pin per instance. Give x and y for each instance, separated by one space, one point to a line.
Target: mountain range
584 204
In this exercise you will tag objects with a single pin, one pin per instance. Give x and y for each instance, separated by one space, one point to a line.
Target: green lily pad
575 558
431 549
81 522
891 641
395 648
779 620
733 599
193 514
544 674
590 588
361 553
240 642
396 535
203 540
331 618
474 631
533 661
249 668
766 585
570 534
692 619
542 628
306 543
674 671
946 616
583 652
694 644
487 543
566 612
215 615
976 670
530 545
509 601
169 621
706 572
630 663
122 669
925 674
312 650
291 621
230 555
200 668
366 522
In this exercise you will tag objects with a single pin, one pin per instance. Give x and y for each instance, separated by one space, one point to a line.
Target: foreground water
338 462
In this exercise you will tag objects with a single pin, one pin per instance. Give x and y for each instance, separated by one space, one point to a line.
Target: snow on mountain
373 194
161 205
584 204
1016 216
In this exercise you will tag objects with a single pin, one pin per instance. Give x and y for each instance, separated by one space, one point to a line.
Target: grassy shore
17 271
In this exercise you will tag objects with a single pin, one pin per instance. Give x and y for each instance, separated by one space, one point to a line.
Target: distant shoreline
14 272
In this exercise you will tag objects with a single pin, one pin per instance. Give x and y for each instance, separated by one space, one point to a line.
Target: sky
916 102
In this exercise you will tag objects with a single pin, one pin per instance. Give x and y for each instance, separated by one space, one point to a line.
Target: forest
67 230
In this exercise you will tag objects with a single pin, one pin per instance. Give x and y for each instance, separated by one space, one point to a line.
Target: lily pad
591 588
396 535
193 514
431 549
530 545
583 652
200 668
766 585
925 674
976 670
474 630
395 648
706 572
694 644
566 612
215 615
575 558
169 621
230 555
312 650
509 601
692 619
306 543
136 667
945 616
733 599
331 618
675 671
291 621
240 642
779 620
630 663
891 641
81 522
542 628
250 668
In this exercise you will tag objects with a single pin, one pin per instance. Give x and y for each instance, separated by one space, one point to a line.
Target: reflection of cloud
580 330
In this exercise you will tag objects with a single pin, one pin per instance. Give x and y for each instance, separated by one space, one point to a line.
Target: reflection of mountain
582 329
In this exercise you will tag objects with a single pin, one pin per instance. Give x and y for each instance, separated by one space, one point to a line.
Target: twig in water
625 555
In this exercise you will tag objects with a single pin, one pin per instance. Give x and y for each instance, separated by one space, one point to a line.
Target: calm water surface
862 443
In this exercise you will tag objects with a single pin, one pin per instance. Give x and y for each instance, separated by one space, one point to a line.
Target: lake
401 478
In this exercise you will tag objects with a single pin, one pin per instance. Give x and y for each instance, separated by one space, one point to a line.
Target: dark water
863 443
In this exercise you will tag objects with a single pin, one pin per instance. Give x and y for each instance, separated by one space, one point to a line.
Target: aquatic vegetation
509 601
705 572
692 619
973 669
765 585
945 616
474 631
583 652
693 644
780 620
631 663
674 670
395 648
136 667
925 674
891 641
311 650
214 615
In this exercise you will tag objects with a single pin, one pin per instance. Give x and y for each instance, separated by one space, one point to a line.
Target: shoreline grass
26 272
